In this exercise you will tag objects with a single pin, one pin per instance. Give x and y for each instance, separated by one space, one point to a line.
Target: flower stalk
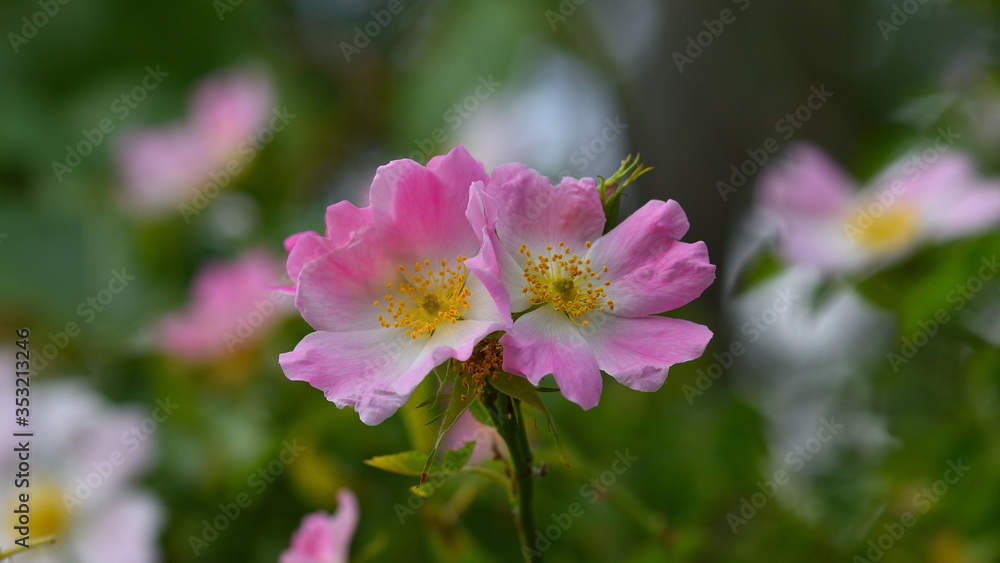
506 414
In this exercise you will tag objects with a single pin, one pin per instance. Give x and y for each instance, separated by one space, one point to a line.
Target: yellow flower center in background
425 298
565 280
895 228
49 516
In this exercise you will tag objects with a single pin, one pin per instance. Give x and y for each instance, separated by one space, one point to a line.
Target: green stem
506 413
45 540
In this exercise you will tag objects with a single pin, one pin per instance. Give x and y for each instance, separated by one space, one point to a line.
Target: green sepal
404 463
520 388
456 408
629 171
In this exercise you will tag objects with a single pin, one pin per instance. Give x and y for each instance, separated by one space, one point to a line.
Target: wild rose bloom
387 288
162 167
97 518
232 305
825 223
590 301
323 538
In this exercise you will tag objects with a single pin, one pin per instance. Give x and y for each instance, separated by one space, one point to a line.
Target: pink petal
503 277
545 341
375 371
356 369
531 211
337 291
125 530
343 219
807 182
420 212
649 271
639 351
975 211
323 538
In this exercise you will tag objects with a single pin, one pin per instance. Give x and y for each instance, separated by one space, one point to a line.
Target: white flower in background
83 458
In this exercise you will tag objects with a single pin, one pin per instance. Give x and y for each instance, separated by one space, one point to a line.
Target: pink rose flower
589 302
323 538
232 306
387 288
162 167
824 222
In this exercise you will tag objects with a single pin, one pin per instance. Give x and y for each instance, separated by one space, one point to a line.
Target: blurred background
154 157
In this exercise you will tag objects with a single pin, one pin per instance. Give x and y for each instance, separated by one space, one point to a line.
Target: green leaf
455 460
461 399
405 463
520 388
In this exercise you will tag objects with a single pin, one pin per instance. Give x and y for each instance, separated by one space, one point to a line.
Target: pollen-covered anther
425 297
565 280
485 363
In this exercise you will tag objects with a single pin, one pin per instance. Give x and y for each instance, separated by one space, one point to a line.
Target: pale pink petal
533 212
357 369
420 212
229 109
639 351
160 169
503 277
648 270
545 342
323 538
975 211
807 182
125 530
342 221
337 291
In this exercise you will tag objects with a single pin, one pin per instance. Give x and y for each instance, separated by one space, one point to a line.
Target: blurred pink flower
162 167
323 538
593 299
467 429
825 223
85 458
387 288
232 305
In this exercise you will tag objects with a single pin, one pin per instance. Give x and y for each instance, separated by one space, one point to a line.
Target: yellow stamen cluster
426 297
565 280
484 363
895 228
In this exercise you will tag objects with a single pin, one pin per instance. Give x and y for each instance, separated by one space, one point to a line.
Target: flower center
48 514
484 364
425 297
565 280
893 229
